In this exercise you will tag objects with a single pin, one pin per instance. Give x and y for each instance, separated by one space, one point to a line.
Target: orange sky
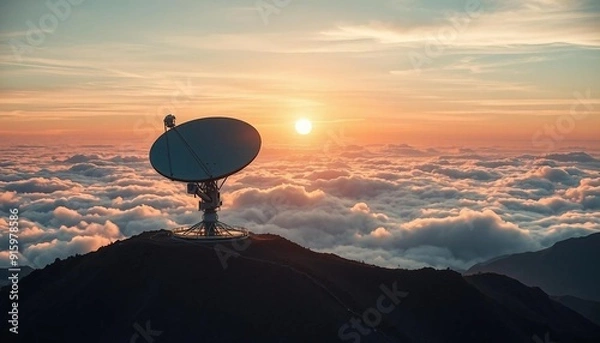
518 73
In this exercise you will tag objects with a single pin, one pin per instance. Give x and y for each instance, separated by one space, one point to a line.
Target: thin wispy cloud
390 61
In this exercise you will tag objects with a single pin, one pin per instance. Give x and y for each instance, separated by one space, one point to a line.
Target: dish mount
204 153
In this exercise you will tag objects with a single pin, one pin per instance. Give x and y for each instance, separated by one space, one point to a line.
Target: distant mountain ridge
588 308
578 156
267 289
569 267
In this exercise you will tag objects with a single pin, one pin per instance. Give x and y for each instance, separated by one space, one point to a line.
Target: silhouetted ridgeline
588 308
569 267
4 274
268 289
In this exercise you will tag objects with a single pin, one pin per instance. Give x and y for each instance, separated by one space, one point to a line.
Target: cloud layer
392 205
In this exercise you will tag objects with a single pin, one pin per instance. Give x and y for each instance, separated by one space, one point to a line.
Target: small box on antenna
192 188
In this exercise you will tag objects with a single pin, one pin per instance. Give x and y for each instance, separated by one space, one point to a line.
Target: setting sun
303 126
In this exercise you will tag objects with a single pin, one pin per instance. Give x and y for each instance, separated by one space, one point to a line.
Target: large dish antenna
203 153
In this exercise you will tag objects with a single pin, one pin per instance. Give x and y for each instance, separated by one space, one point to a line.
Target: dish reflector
205 149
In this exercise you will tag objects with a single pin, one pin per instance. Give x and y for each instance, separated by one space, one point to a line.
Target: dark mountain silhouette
528 303
569 267
4 274
572 157
156 288
588 308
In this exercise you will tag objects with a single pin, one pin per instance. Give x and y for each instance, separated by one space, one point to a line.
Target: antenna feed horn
169 121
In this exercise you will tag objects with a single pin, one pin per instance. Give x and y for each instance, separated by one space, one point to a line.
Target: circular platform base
210 232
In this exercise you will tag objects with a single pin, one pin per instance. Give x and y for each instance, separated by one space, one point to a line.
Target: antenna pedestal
210 228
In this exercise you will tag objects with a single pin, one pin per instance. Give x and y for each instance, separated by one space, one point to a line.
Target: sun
303 126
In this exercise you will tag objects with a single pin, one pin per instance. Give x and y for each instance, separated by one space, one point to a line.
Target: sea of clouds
392 205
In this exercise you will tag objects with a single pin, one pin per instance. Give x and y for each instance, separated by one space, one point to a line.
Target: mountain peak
269 289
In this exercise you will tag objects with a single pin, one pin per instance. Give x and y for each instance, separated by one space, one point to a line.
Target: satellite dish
203 153
204 149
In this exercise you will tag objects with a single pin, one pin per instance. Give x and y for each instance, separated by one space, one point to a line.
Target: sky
516 72
445 133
